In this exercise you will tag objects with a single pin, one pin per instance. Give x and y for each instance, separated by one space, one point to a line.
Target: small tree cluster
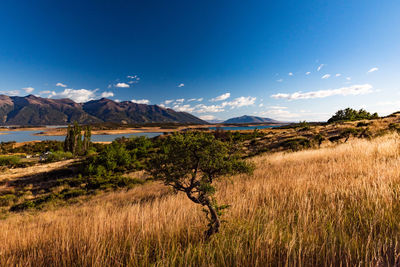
350 114
73 141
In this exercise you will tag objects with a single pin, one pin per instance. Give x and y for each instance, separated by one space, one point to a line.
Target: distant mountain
250 119
33 110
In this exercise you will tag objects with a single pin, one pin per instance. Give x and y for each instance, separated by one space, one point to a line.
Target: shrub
350 114
10 161
296 144
58 155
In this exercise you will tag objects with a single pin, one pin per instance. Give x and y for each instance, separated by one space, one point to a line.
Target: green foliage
73 140
350 114
296 144
7 200
58 155
190 162
10 161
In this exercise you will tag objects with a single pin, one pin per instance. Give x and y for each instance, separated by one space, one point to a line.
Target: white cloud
260 105
122 85
11 92
326 76
201 108
308 73
61 85
372 70
28 90
167 102
132 77
338 75
277 107
180 100
47 92
240 102
221 97
290 73
195 99
279 114
280 80
141 101
344 91
320 67
79 95
348 78
181 85
183 108
208 117
107 94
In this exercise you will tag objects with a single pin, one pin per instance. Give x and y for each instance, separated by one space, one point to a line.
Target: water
25 136
239 128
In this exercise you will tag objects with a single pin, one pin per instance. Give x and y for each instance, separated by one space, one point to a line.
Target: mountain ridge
34 110
250 119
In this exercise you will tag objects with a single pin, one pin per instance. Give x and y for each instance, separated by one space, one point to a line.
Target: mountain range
250 119
33 110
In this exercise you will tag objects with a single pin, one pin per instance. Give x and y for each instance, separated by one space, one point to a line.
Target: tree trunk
214 220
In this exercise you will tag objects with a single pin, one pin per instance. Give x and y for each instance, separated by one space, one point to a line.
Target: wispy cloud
10 92
207 117
372 70
221 97
201 108
308 73
61 85
320 67
279 80
181 100
107 94
338 75
141 101
326 76
183 108
240 102
79 95
344 91
122 85
181 85
28 90
290 73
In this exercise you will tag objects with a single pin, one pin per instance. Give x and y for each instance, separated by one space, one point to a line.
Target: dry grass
333 206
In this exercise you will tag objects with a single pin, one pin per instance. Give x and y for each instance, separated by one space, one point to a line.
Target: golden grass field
333 206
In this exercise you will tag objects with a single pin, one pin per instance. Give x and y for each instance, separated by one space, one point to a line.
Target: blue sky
288 60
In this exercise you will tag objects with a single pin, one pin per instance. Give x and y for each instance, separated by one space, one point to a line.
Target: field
338 205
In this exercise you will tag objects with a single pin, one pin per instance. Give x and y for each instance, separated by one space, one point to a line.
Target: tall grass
333 206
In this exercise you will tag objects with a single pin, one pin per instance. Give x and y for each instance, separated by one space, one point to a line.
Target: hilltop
33 110
250 119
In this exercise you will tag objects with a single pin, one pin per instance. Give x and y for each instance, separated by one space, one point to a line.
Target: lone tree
190 163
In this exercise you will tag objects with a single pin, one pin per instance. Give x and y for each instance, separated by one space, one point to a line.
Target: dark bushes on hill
350 114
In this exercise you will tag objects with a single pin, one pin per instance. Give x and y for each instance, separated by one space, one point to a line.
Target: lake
25 136
241 128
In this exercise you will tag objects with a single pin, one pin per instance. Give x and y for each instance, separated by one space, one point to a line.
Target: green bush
296 144
10 161
58 155
7 200
350 114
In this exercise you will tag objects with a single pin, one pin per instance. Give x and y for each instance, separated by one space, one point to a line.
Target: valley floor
332 206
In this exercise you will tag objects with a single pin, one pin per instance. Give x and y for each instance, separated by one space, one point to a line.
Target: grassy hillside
331 206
